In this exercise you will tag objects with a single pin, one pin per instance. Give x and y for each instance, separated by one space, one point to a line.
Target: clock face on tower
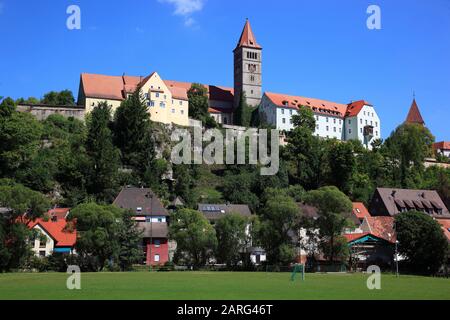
252 68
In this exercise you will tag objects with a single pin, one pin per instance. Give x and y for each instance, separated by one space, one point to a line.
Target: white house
354 121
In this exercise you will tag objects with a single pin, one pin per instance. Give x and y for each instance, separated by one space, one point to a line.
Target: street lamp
396 258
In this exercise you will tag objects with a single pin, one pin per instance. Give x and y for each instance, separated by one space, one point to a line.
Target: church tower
247 68
414 115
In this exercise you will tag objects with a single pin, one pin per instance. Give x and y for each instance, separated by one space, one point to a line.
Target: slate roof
411 199
307 210
142 201
217 211
153 230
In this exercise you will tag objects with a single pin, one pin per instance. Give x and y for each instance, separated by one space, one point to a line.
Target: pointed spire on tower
247 38
414 115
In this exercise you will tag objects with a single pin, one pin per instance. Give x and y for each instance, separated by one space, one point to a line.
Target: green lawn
218 285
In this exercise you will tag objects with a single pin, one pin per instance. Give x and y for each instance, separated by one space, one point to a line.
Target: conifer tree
133 134
242 112
104 156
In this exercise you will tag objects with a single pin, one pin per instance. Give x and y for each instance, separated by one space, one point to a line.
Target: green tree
305 151
334 209
29 100
342 165
24 205
7 107
104 156
133 134
20 136
436 178
130 241
199 105
407 147
97 230
238 189
242 114
279 216
184 184
64 97
198 101
232 239
421 241
195 237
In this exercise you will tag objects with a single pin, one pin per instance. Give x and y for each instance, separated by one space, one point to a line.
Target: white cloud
186 8
189 22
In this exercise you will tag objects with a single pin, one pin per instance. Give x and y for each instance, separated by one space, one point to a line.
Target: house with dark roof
392 201
214 212
152 219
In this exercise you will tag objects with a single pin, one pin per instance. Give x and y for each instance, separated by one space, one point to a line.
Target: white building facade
354 121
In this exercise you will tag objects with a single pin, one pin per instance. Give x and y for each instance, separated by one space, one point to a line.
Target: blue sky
320 49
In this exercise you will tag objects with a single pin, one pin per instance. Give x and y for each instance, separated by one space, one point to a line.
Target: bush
40 264
58 262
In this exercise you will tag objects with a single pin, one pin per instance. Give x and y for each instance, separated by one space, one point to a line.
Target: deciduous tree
232 238
334 209
195 237
421 241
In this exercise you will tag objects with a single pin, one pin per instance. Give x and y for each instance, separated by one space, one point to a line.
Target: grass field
218 285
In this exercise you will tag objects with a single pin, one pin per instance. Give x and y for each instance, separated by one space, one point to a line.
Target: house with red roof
359 212
442 148
373 244
356 120
445 224
55 234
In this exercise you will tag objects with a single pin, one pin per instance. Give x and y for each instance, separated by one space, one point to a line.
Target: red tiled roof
353 236
414 115
59 212
445 223
104 87
360 210
355 107
115 87
443 145
382 227
247 38
317 105
215 92
219 110
57 230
